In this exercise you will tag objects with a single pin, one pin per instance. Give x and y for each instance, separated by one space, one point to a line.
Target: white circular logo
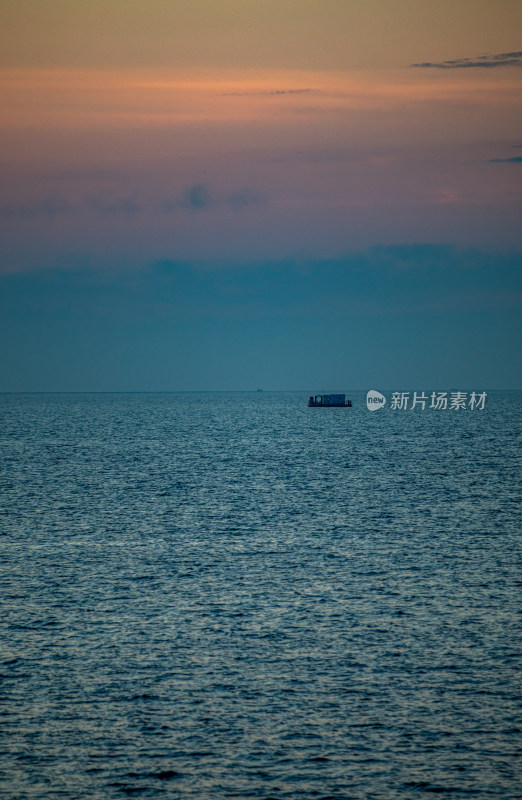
375 400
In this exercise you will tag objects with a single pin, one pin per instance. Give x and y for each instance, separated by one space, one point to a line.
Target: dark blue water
235 596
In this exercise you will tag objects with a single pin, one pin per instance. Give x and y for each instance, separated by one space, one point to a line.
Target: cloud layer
194 198
513 59
406 315
511 160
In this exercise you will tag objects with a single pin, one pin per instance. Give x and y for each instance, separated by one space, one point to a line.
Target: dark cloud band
488 62
512 160
273 93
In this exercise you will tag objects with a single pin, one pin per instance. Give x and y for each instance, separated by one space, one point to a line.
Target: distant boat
329 401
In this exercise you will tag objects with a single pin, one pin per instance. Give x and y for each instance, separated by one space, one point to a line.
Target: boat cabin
329 400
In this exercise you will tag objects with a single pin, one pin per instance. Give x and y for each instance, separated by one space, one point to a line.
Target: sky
235 194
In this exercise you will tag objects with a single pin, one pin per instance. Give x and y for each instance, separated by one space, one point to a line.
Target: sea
232 595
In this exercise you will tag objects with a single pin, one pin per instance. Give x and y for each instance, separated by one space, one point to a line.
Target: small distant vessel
329 401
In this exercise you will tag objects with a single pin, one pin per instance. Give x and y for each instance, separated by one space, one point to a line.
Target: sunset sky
226 194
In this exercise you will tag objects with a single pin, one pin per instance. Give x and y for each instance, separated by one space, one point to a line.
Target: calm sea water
235 596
